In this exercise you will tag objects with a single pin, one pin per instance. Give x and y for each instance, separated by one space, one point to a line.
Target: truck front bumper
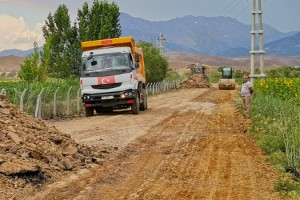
114 99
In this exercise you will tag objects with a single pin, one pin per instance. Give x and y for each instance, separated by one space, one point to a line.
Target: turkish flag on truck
106 80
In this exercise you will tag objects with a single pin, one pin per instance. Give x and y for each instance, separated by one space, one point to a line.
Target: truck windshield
106 62
227 73
198 70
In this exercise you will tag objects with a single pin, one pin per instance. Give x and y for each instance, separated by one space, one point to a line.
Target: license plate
107 97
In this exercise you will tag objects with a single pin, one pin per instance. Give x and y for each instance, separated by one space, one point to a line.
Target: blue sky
21 21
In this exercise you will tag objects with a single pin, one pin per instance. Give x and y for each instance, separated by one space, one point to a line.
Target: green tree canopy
30 68
64 48
284 71
99 22
58 26
156 64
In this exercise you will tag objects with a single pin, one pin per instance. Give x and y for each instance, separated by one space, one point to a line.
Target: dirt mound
32 154
196 81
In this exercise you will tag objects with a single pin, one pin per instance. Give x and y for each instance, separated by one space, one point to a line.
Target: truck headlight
86 97
122 96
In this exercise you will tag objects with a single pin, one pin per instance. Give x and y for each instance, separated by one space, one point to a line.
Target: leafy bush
156 64
284 72
173 75
32 69
289 186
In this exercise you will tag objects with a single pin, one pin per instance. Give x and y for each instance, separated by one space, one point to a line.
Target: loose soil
190 144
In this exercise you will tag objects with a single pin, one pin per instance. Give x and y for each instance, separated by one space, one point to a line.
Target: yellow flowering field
283 88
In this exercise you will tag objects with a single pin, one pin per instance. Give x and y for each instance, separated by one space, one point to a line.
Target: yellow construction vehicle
200 70
113 76
227 82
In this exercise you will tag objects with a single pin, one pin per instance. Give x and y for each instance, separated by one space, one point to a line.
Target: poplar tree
98 22
101 21
58 26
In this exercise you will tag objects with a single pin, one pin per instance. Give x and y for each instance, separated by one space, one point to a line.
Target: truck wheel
135 107
89 112
143 105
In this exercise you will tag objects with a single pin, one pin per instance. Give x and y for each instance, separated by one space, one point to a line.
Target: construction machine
200 70
227 82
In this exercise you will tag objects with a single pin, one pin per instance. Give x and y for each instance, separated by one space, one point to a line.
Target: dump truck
227 82
112 76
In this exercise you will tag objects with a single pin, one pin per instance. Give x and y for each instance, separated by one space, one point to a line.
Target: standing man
246 91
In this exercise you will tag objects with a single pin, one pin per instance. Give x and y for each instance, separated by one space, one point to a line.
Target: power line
229 5
246 7
237 4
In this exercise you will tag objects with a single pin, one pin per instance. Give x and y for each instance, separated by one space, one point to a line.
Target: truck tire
135 106
89 112
143 105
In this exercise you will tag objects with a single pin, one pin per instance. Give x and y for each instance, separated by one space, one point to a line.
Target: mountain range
216 36
220 36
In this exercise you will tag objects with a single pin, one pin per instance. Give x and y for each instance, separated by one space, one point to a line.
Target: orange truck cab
112 76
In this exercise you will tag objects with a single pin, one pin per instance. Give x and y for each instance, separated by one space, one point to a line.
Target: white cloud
14 33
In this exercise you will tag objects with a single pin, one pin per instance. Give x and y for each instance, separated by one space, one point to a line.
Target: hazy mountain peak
219 35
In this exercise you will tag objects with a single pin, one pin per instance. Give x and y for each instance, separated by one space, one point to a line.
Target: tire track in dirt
186 169
174 160
202 161
121 127
145 183
147 187
191 154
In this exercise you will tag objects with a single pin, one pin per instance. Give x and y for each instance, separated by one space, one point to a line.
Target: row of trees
62 48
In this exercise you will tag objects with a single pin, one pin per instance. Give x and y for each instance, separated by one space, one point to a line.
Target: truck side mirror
137 58
136 65
94 62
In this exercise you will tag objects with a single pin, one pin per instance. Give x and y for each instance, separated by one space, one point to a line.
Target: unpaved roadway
189 144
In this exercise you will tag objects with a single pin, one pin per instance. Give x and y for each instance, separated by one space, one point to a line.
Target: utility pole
257 12
161 40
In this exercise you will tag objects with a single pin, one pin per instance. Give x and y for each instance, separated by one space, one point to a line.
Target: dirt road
190 144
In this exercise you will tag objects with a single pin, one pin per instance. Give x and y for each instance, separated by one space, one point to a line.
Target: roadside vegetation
53 88
52 68
276 124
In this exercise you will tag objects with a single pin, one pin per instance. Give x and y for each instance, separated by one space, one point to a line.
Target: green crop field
15 88
276 125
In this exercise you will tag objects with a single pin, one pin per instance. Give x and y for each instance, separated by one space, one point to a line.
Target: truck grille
106 86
